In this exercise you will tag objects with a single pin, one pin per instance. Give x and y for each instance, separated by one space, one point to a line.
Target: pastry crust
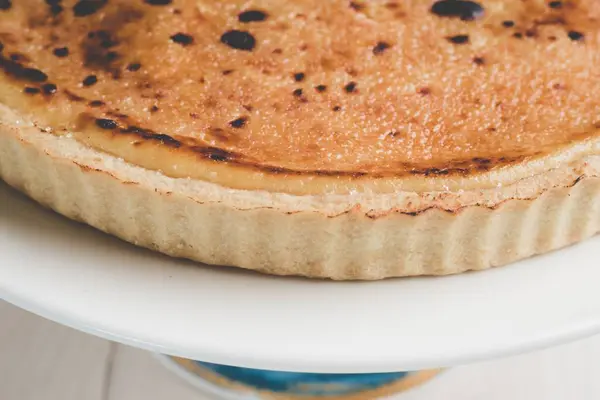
333 139
367 236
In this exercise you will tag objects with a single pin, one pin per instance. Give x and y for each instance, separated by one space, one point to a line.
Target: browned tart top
238 91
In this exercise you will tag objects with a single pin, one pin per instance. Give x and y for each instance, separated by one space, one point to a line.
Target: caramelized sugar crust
239 91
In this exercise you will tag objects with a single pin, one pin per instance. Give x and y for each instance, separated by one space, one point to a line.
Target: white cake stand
79 277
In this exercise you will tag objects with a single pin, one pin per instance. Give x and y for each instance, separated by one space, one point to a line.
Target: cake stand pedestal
72 274
236 383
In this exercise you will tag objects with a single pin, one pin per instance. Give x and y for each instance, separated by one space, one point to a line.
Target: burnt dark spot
182 39
484 161
20 72
518 35
108 43
430 171
356 6
424 91
55 7
299 76
478 60
436 171
96 56
299 94
239 40
531 33
337 108
239 122
350 87
5 4
154 109
164 139
90 80
72 96
49 88
83 8
465 10
380 47
96 103
134 67
576 36
112 56
151 135
158 2
555 4
458 39
320 88
214 153
18 57
31 90
34 75
277 170
104 123
227 72
508 23
252 16
61 52
105 39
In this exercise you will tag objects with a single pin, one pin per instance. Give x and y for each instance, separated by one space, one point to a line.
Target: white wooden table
40 360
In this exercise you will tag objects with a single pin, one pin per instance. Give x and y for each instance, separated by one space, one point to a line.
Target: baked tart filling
312 96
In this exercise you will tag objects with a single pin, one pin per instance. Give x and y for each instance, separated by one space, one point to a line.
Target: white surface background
40 360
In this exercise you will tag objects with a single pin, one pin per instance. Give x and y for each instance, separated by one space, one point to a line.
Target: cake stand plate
79 277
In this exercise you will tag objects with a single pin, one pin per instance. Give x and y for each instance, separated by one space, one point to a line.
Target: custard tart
334 139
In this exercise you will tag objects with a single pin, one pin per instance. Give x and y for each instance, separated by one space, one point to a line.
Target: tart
335 139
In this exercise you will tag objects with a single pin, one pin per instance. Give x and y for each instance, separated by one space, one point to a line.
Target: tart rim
278 234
